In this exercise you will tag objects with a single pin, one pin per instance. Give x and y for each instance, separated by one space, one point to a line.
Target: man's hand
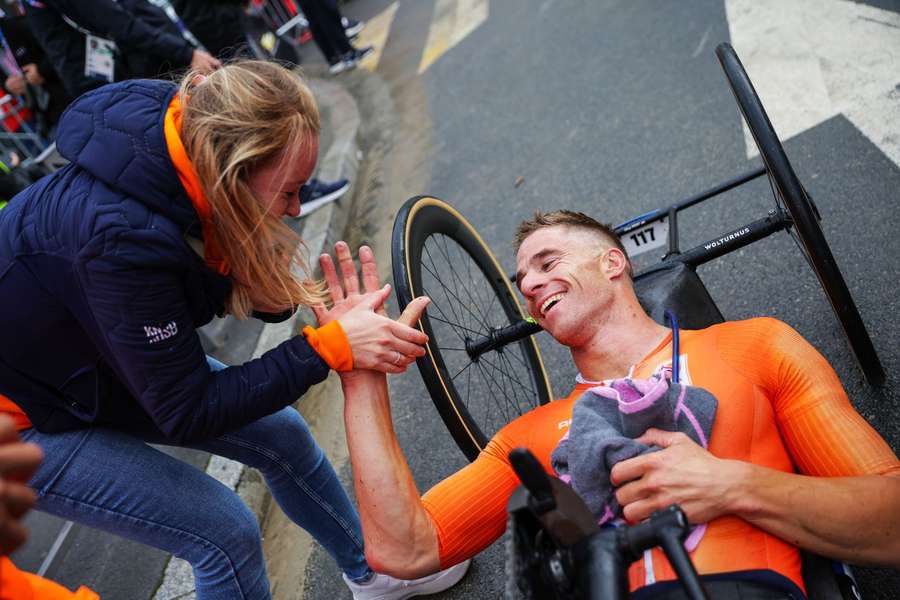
18 462
378 342
32 75
15 85
681 473
204 62
345 294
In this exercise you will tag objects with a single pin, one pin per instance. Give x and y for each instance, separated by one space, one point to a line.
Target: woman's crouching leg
302 481
117 483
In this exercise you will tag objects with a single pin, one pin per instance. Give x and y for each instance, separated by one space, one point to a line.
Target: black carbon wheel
437 253
791 193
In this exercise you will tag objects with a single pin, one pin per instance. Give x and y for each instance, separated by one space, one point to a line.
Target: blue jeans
114 481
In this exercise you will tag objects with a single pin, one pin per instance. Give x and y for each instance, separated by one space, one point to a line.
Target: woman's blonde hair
234 120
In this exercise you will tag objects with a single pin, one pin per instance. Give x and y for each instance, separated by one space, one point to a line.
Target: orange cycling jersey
781 406
18 585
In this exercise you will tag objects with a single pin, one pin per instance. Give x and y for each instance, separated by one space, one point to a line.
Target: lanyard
676 367
672 320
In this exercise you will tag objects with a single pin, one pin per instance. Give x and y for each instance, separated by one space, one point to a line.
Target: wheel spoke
452 324
516 381
448 292
467 288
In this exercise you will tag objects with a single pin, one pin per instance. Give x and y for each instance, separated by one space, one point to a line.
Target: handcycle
482 367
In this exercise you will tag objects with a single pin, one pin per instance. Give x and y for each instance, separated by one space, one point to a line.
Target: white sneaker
385 587
340 66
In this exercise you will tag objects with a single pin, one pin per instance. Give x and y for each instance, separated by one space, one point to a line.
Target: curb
341 122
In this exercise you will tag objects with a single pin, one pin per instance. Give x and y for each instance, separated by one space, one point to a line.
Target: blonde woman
170 213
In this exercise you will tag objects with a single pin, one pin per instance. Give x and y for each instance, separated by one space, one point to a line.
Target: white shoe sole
352 32
430 584
443 580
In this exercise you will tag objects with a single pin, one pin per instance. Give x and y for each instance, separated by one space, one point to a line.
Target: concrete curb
341 123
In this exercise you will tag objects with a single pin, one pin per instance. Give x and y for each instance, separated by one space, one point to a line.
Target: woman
170 213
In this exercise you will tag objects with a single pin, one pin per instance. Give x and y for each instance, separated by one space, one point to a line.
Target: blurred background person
28 72
330 30
92 42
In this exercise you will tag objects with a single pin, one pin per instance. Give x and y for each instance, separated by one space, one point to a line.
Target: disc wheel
790 192
437 253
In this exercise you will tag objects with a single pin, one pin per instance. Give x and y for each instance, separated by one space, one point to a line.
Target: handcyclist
790 465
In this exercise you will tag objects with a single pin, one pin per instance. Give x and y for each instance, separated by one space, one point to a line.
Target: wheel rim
441 254
808 233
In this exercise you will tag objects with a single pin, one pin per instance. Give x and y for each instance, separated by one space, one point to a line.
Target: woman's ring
397 360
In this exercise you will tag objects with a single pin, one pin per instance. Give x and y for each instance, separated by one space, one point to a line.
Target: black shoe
357 55
315 193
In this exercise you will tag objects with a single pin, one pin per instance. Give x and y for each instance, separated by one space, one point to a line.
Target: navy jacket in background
150 45
100 294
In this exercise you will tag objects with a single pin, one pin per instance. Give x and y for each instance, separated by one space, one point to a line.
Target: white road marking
810 61
452 22
702 44
54 549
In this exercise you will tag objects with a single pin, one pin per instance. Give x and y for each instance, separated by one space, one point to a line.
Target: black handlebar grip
535 480
672 528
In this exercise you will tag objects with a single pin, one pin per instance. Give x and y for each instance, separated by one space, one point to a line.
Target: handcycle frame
427 225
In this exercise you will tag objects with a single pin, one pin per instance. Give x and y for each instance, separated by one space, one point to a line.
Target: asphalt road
615 108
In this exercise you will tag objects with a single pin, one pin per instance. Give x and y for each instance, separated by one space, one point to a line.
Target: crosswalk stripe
376 34
848 67
470 14
453 20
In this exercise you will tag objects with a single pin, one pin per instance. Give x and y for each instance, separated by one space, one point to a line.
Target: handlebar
601 556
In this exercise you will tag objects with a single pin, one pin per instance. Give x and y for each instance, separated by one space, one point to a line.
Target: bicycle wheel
437 253
790 191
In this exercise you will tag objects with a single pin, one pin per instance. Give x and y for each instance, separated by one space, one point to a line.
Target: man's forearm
399 536
854 519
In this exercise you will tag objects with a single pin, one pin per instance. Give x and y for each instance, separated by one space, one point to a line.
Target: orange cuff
330 342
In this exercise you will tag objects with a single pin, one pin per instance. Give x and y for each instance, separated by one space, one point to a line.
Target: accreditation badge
100 58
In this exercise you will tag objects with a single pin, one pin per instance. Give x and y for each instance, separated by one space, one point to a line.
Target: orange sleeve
10 408
468 509
18 585
824 434
330 342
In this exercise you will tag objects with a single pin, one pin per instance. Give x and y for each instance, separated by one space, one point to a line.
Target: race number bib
100 58
649 236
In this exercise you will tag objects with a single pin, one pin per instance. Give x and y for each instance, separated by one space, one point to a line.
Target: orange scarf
212 254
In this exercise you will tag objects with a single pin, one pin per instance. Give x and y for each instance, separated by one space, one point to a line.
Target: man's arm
855 519
407 536
400 538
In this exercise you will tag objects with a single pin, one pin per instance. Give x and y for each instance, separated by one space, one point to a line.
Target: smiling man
787 455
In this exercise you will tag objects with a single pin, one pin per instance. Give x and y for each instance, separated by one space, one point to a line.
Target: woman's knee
229 558
232 536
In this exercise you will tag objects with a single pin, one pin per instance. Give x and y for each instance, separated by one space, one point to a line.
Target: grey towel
605 419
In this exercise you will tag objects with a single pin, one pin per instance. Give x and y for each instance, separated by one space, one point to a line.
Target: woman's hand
204 62
32 74
15 84
377 342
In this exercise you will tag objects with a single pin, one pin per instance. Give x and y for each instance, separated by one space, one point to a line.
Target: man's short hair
569 218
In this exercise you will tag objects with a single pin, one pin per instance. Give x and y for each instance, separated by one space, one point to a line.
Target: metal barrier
277 28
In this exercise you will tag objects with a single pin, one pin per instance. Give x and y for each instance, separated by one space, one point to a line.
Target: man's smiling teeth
549 301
